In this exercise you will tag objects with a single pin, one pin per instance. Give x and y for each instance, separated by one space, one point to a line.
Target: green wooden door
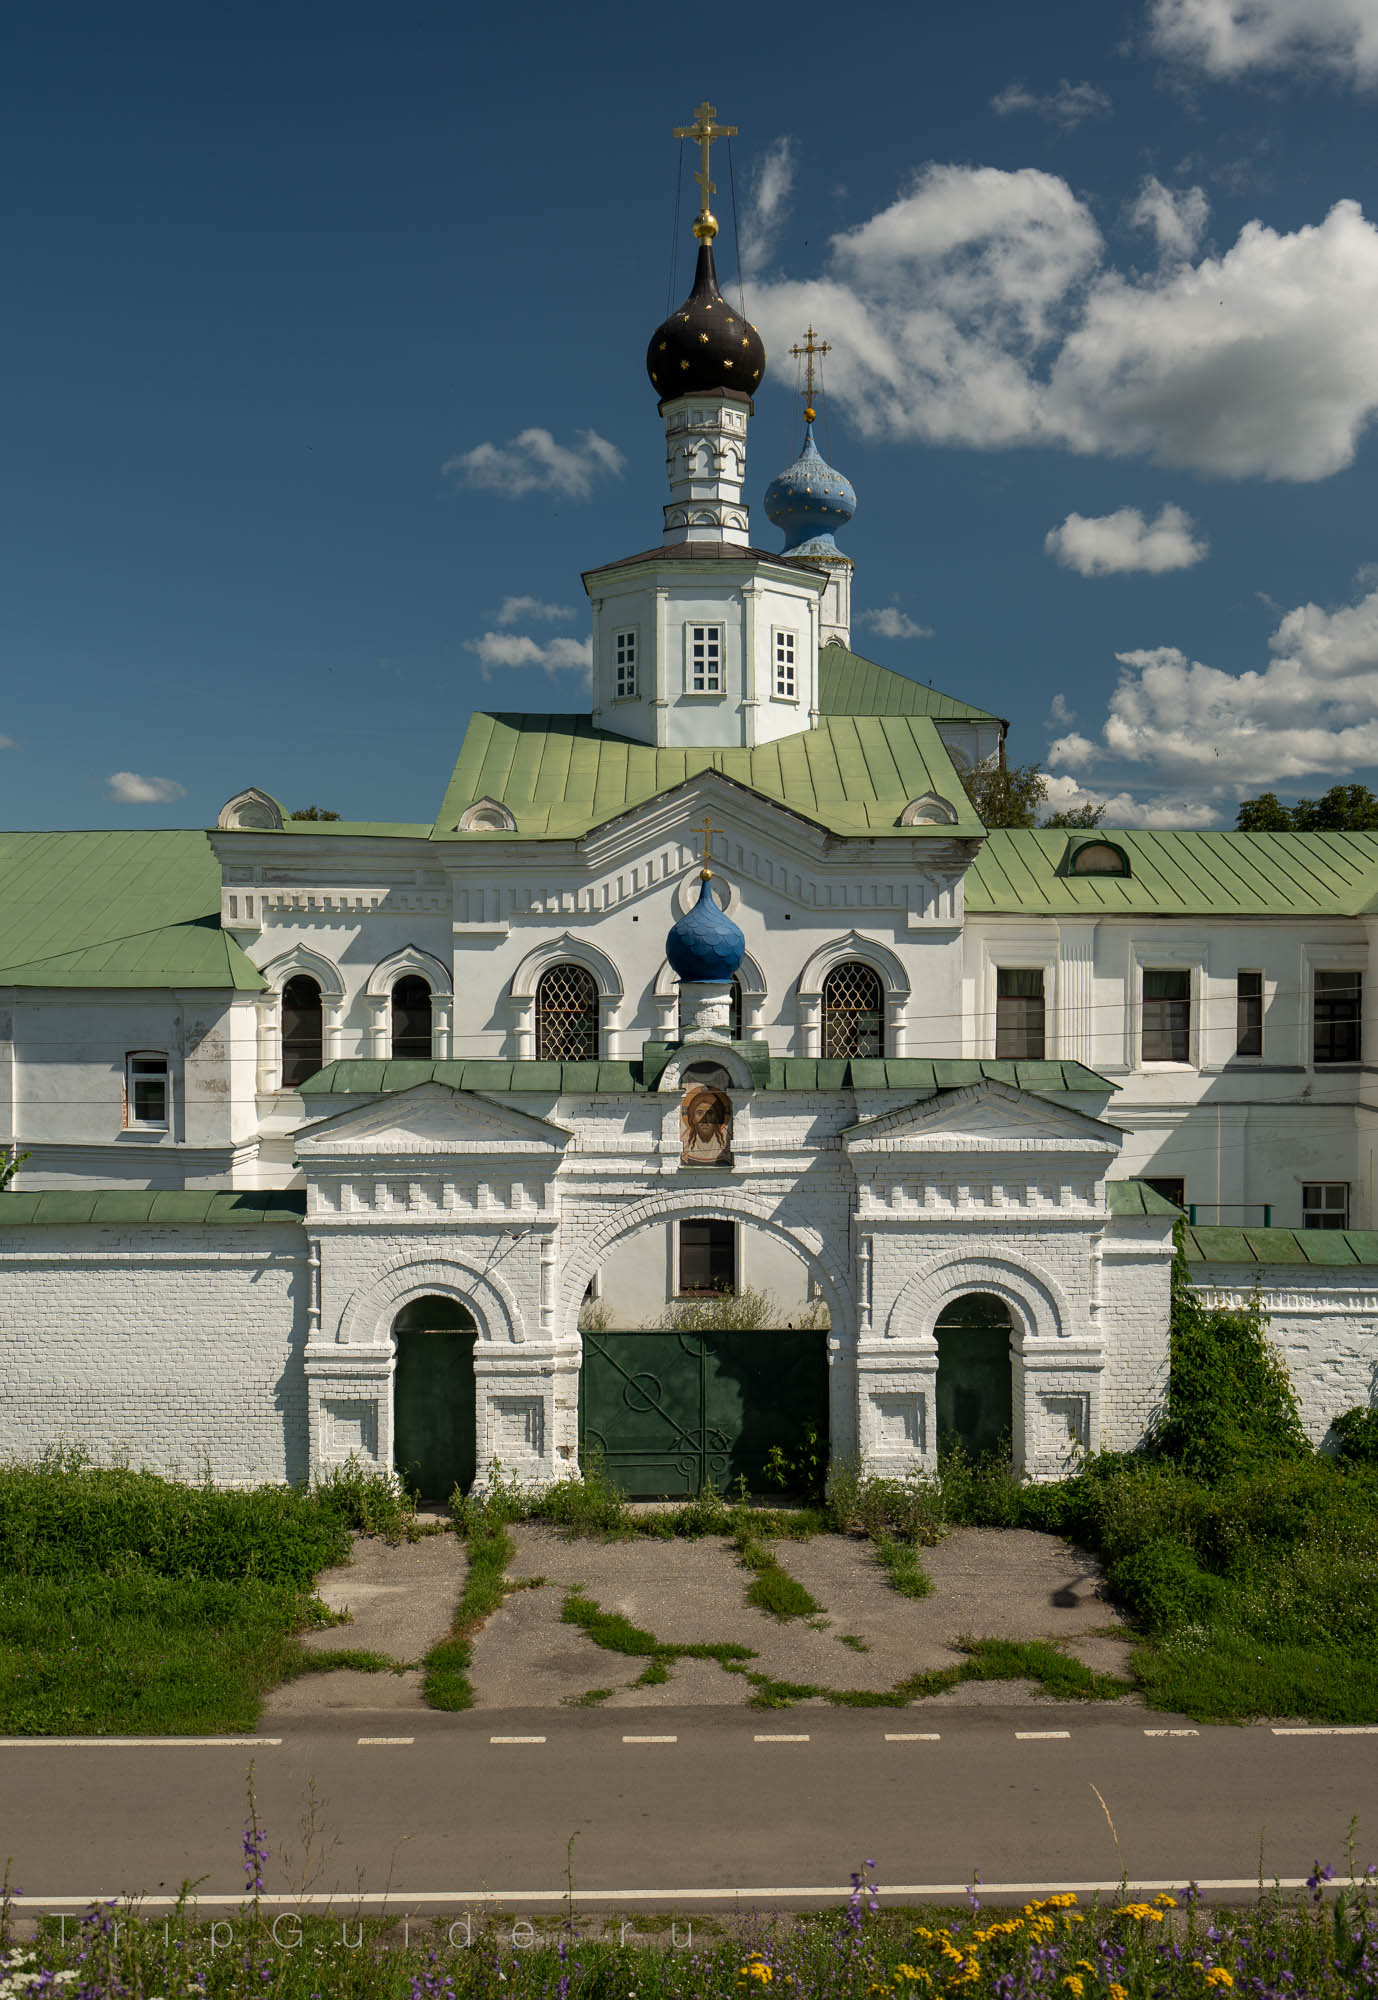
670 1413
433 1403
974 1401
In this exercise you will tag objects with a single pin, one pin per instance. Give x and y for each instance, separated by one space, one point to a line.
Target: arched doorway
433 1401
975 1405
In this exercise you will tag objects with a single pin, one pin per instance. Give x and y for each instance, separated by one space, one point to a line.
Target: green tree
1004 795
1265 814
1077 816
314 812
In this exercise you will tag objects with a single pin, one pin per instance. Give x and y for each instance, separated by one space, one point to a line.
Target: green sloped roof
1137 1198
1325 1248
52 1206
1180 874
559 776
851 685
363 1078
114 909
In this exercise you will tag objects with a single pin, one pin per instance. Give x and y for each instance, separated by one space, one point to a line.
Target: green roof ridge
850 684
218 1208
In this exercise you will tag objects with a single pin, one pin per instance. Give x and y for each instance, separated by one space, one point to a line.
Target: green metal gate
974 1400
669 1413
433 1399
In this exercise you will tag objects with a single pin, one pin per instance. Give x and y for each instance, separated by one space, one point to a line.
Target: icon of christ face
705 1125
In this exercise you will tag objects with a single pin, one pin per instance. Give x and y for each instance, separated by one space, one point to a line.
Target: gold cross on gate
705 130
812 346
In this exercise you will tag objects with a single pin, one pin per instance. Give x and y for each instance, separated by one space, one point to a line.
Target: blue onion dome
705 946
809 501
706 344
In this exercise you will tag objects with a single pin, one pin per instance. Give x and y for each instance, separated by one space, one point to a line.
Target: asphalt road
687 1809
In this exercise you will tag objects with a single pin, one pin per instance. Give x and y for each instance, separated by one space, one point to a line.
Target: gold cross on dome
705 130
812 346
708 832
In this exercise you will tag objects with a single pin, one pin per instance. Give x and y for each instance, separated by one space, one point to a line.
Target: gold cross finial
707 854
812 346
705 130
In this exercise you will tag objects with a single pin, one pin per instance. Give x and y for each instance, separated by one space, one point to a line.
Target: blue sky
283 286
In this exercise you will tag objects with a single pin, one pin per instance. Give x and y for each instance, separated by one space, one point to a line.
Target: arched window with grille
734 1018
853 1011
567 1014
303 1030
411 1020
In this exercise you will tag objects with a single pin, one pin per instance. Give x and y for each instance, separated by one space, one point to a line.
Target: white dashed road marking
650 1739
387 1739
138 1742
779 1739
1040 1735
1172 1732
516 1739
1337 1729
918 1736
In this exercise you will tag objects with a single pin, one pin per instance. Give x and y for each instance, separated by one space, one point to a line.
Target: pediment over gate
988 1117
433 1119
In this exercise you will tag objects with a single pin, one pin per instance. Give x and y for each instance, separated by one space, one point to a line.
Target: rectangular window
1248 1014
624 657
707 1258
146 1093
786 686
1019 1013
1325 1205
1167 1017
703 672
1337 1017
1171 1187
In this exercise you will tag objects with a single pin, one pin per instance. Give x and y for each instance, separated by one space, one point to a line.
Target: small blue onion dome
809 500
705 946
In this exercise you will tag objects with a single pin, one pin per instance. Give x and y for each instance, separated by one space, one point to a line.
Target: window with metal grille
147 1096
703 669
734 1018
853 1011
411 1020
1337 1017
1167 1017
303 1030
786 687
1019 1013
707 1258
1248 1014
624 650
1325 1205
567 1015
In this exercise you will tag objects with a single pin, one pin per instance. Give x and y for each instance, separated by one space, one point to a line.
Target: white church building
443 1143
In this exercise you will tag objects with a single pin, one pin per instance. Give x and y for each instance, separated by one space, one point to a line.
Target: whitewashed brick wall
1324 1325
178 1349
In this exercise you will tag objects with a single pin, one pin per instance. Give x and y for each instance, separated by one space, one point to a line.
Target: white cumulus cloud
767 206
513 609
518 649
1116 544
892 623
1176 216
1123 809
532 462
1311 710
1070 105
979 309
127 788
1228 38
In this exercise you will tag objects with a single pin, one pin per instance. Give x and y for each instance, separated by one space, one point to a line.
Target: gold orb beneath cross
705 227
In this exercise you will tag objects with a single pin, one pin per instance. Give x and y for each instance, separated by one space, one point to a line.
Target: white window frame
712 635
1317 956
626 663
1004 963
1190 958
132 1122
1325 1208
676 1295
784 655
1036 952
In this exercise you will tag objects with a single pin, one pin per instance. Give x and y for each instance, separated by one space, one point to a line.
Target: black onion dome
706 344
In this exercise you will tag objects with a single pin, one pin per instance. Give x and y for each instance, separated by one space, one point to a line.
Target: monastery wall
1324 1325
180 1349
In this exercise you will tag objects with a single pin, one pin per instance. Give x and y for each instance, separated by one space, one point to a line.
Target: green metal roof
114 909
851 685
363 1078
559 776
1317 1247
1180 874
1137 1198
51 1206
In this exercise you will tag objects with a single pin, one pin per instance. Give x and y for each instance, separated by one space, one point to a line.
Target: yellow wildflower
1165 1902
1141 1913
1075 1985
1118 1992
757 1969
1217 1976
